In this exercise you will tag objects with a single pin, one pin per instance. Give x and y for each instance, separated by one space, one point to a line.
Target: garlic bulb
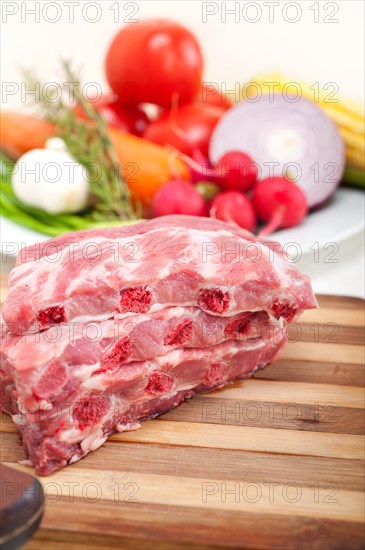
51 179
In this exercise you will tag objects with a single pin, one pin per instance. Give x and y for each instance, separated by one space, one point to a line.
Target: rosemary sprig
89 143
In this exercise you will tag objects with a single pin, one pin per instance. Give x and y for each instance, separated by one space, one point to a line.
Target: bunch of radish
248 139
234 194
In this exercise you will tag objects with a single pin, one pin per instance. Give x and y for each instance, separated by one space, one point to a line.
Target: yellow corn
355 158
348 115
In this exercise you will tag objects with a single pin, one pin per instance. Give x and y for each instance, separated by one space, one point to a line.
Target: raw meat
177 260
106 328
63 427
46 248
131 338
46 366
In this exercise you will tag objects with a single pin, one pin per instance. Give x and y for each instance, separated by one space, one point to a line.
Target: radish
178 197
280 203
234 207
201 169
236 170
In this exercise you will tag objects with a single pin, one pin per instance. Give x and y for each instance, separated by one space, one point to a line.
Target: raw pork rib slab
112 343
181 260
63 428
94 343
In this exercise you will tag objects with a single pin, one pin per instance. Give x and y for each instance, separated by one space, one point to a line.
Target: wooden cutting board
272 462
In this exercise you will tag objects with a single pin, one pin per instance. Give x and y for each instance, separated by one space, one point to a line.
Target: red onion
286 137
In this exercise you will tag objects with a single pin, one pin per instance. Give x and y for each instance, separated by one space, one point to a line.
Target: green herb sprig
89 143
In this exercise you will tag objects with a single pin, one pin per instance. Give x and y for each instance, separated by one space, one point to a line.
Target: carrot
144 165
19 133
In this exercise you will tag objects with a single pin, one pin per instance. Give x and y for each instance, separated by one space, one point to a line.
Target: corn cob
348 115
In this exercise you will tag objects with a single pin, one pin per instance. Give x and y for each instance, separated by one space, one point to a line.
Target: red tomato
188 128
210 94
128 118
154 61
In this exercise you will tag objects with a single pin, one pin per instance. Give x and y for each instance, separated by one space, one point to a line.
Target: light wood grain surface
274 462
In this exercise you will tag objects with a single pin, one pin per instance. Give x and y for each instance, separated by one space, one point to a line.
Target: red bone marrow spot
159 382
120 352
137 299
214 299
90 409
282 308
180 334
51 316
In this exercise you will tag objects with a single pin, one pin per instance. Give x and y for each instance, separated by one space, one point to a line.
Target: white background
235 49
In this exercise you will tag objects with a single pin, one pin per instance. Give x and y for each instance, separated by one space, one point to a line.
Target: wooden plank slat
326 333
275 498
192 461
271 414
225 528
326 301
248 439
327 352
264 440
350 316
59 540
291 392
328 372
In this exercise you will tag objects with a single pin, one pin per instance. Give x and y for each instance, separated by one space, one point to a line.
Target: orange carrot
144 165
19 133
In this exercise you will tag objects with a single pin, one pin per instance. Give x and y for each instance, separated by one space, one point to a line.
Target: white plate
341 218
